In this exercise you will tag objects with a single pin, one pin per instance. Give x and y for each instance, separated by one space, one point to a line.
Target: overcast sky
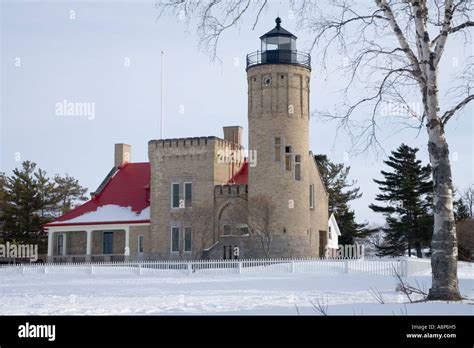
107 54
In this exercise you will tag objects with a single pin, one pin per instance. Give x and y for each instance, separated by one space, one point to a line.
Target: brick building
207 197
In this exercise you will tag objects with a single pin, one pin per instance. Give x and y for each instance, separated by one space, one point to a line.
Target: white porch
85 243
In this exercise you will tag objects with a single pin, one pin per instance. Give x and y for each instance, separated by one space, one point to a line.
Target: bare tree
393 49
201 220
468 197
260 211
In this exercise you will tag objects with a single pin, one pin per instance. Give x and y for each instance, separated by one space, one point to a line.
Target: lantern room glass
272 43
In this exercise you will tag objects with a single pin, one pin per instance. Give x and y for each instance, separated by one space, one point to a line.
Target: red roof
128 187
242 176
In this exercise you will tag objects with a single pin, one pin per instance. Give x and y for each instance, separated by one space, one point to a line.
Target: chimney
233 134
123 154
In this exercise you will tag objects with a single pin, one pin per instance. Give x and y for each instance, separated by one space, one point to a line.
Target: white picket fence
378 266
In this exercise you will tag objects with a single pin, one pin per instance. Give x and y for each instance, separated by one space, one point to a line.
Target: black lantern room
278 46
278 39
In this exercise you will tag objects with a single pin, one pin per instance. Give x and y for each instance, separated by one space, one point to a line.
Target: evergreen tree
2 202
341 191
68 192
32 199
461 211
407 193
47 196
22 203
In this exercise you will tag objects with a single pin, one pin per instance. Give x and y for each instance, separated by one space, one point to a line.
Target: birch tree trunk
424 66
444 245
444 249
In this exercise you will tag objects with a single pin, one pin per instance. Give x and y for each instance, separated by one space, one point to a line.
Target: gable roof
127 187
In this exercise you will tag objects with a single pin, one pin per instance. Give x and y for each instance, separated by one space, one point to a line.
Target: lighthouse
278 78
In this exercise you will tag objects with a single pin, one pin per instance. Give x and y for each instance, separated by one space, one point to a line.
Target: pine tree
407 192
461 211
2 202
68 191
32 199
22 203
341 191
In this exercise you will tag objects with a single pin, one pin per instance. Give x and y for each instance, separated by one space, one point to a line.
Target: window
174 239
277 149
107 242
140 244
288 157
311 196
297 167
226 229
60 244
174 195
330 236
188 194
188 233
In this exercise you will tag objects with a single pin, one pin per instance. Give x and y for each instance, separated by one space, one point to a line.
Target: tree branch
258 14
443 36
400 37
455 29
448 114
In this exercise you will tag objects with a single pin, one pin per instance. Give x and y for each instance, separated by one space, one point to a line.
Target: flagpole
161 112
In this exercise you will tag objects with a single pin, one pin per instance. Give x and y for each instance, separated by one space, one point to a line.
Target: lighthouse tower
278 115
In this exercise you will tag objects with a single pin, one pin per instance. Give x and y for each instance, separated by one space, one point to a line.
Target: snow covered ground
234 294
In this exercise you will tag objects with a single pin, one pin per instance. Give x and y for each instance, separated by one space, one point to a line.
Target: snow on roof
107 213
124 197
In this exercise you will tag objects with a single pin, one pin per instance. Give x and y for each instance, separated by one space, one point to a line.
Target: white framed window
175 195
277 144
188 239
140 241
188 194
60 244
330 234
311 196
297 167
288 157
175 239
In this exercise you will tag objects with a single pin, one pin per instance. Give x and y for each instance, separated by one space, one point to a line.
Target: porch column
127 243
50 246
65 245
88 244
